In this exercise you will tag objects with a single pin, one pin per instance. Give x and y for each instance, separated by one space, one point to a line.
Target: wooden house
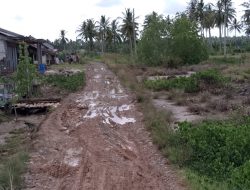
39 50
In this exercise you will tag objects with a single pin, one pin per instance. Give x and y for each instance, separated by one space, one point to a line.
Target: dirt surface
7 127
180 113
96 140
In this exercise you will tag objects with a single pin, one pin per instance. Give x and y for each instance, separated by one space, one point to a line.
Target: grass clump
70 83
197 82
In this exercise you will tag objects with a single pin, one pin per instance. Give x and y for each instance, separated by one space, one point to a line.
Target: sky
45 18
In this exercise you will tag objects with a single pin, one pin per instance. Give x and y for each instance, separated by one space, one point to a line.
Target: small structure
40 51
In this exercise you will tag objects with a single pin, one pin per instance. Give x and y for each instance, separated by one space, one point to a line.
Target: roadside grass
195 83
69 83
67 66
13 159
117 59
230 59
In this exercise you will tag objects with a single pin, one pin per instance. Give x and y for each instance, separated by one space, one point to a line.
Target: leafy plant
216 148
26 72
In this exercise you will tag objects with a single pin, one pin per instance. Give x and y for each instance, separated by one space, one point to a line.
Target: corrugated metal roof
9 33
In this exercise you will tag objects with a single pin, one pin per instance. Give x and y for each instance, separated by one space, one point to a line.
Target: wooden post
39 53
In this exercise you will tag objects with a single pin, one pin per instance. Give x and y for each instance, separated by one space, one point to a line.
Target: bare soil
96 140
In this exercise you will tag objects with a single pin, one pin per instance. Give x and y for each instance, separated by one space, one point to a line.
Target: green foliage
11 171
13 158
240 179
70 83
185 42
195 83
26 72
219 150
153 46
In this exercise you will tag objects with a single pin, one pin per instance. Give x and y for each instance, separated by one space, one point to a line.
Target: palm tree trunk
131 45
210 39
225 39
220 38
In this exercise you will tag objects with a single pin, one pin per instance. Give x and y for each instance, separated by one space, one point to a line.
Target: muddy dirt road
96 140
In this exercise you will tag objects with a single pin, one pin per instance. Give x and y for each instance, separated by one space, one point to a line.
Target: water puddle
109 114
72 157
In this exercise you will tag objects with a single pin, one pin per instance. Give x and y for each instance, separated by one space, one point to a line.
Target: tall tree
228 15
63 39
246 17
103 28
236 26
113 36
209 20
88 32
128 27
219 20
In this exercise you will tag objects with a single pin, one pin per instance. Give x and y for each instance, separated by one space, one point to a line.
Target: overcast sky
45 18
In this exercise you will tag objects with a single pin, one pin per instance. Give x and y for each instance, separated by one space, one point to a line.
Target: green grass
195 83
67 66
69 83
13 159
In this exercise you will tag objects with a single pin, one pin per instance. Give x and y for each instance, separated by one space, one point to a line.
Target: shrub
185 42
240 178
216 148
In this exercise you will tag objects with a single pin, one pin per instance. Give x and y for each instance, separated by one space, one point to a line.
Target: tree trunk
225 36
210 39
134 34
220 36
131 45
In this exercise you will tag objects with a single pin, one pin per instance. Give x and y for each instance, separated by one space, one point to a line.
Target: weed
13 158
70 83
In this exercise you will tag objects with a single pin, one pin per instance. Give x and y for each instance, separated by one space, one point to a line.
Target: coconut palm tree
228 15
219 20
88 32
209 19
129 27
236 26
192 10
113 37
246 17
83 31
103 27
63 39
200 14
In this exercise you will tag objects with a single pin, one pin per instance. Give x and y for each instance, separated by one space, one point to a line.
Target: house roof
9 33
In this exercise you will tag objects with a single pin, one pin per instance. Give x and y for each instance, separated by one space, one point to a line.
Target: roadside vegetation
13 158
70 83
195 83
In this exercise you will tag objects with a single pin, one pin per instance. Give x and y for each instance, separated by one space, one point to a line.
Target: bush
185 42
216 147
240 178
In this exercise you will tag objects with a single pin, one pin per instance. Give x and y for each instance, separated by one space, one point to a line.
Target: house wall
2 49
